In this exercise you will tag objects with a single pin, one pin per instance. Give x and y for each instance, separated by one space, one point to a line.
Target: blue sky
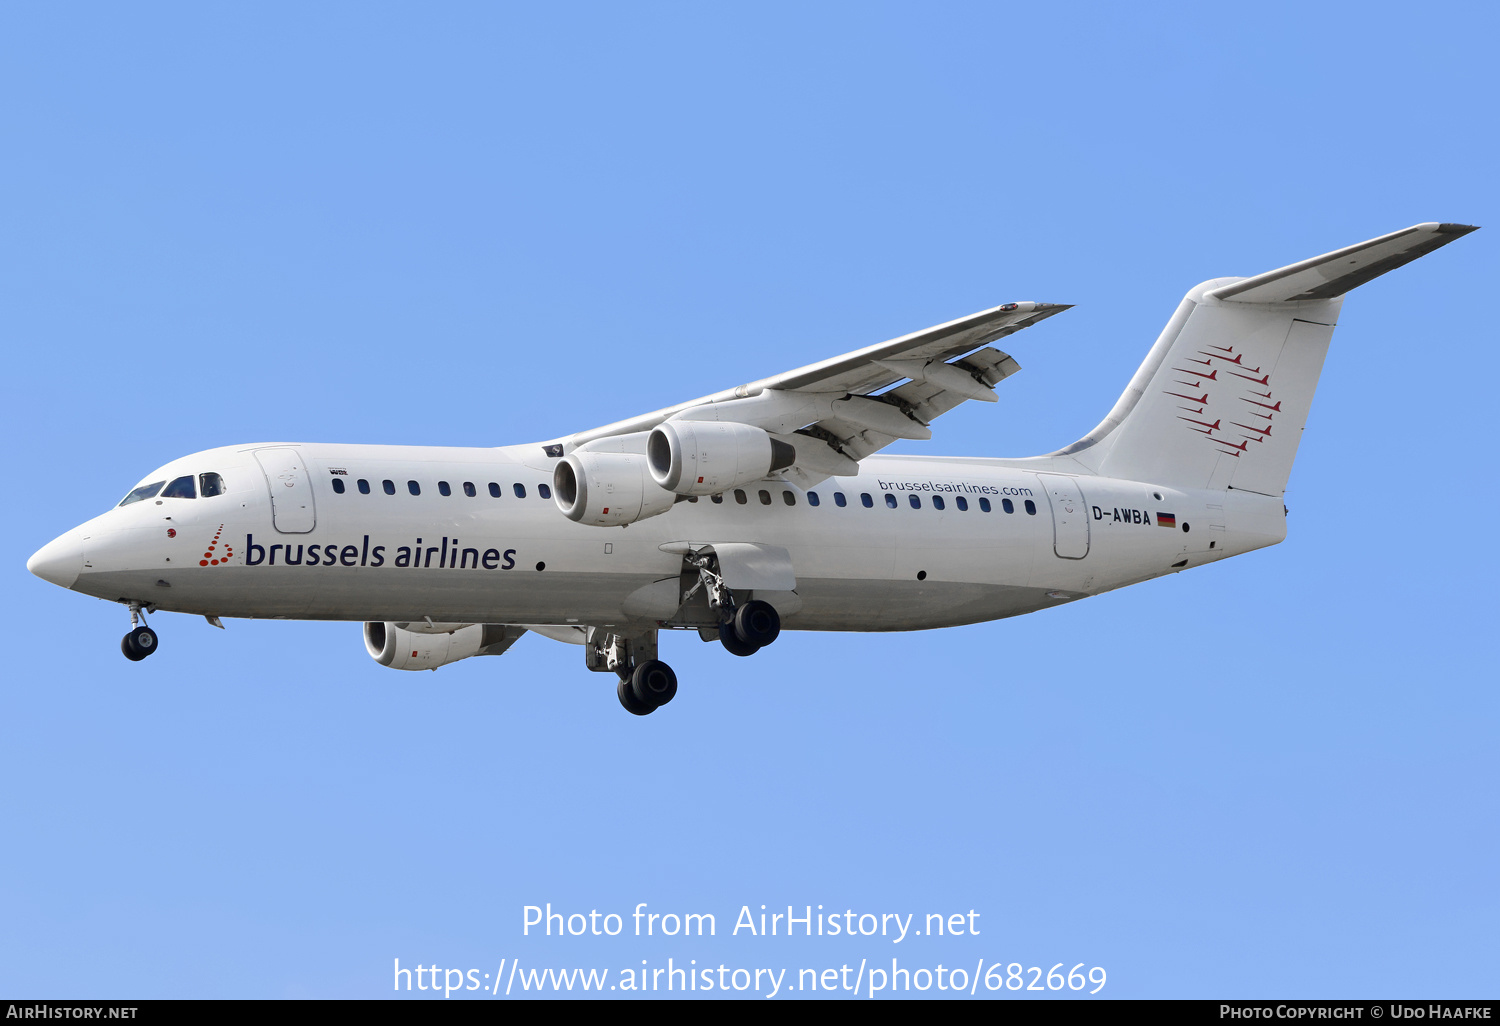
481 224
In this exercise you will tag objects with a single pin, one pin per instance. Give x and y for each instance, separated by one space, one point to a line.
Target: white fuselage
759 507
510 559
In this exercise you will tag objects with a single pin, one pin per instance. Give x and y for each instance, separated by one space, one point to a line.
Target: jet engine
694 457
607 489
402 649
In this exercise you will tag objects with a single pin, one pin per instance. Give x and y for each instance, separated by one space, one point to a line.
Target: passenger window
443 488
739 496
984 504
890 500
210 485
146 491
839 500
937 502
544 491
338 486
364 487
388 486
963 504
717 499
864 497
181 488
915 500
812 499
789 498
494 490
1031 508
414 488
519 489
1007 505
765 497
469 489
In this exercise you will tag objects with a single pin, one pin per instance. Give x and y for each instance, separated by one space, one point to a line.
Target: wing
835 413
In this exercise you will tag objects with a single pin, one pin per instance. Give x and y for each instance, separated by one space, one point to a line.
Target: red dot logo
209 559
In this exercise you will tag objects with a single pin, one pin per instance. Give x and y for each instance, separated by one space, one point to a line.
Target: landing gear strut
141 641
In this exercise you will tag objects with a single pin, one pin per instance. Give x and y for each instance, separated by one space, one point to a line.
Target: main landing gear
743 630
141 641
650 686
751 628
646 683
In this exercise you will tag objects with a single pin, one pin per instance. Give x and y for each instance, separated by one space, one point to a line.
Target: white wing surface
838 411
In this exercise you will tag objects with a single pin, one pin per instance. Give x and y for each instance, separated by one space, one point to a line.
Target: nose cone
59 561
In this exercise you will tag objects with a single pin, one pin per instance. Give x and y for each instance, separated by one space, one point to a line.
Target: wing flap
932 396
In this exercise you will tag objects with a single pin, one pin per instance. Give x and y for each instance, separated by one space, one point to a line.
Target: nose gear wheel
138 644
142 640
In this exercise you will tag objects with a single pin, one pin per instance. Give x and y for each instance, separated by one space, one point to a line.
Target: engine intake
607 489
693 457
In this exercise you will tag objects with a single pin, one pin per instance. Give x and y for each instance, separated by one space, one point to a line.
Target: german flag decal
1166 520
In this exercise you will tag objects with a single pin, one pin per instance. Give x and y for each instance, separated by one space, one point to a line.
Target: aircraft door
291 490
1070 521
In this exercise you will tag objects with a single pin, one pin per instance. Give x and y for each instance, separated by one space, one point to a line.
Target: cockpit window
182 488
210 484
145 491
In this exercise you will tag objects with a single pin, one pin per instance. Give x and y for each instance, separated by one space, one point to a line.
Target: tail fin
1223 395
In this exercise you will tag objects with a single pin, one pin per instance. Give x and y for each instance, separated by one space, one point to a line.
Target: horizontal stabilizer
1333 274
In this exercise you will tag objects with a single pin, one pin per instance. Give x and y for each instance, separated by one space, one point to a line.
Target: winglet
1333 274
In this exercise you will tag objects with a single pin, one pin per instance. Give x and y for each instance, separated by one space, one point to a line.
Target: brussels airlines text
443 553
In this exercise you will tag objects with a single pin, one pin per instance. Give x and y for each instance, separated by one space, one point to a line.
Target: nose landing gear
138 644
141 641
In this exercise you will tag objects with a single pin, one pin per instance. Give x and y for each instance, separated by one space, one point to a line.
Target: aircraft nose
59 561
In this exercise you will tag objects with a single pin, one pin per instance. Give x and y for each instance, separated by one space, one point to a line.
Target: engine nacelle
607 489
696 457
400 649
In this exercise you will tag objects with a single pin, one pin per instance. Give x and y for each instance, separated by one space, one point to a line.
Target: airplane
761 507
